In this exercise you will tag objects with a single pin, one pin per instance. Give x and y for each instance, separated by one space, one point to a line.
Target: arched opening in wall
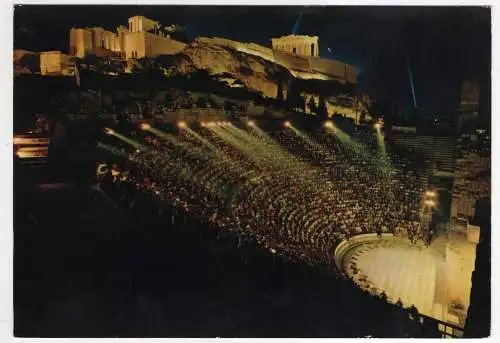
102 43
294 50
312 49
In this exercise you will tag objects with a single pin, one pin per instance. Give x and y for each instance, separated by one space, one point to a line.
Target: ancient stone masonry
472 176
302 65
297 45
56 63
142 38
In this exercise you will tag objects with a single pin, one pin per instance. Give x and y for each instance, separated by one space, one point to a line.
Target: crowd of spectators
298 194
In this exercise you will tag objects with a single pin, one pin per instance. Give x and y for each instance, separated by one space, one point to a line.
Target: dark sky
441 45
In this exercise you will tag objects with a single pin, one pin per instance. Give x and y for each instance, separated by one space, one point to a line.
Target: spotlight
108 131
328 124
251 123
377 125
287 124
138 151
181 124
430 193
429 203
145 126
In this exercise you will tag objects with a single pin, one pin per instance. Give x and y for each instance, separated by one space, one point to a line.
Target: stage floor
426 277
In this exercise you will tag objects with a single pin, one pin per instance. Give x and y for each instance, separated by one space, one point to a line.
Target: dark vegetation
46 95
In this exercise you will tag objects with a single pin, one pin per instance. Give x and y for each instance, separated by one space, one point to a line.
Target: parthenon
297 45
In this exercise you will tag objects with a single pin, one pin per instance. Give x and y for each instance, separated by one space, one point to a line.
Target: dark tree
294 100
322 110
312 105
187 102
201 102
228 105
280 97
169 99
302 103
179 35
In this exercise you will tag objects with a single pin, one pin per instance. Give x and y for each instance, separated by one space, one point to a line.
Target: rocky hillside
255 73
25 62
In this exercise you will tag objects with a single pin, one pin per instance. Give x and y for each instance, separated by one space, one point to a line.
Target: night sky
440 45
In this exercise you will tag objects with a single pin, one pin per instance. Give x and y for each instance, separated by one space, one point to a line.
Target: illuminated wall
460 258
156 45
140 23
145 44
50 62
135 46
316 68
133 42
105 39
80 42
55 62
292 62
303 67
249 48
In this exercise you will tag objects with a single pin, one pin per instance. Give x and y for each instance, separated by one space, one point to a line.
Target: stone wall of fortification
156 45
291 62
55 62
142 44
105 39
135 46
328 67
80 42
309 67
304 67
249 48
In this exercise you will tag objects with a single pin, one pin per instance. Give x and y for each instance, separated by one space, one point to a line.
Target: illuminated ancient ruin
142 38
297 45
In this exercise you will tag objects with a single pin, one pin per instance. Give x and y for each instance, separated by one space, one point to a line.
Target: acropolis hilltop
144 37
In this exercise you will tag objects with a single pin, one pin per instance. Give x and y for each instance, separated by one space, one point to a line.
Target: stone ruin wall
305 67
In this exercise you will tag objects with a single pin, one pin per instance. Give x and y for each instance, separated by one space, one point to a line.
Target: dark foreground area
84 267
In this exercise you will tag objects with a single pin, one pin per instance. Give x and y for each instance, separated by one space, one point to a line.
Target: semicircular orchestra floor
402 270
